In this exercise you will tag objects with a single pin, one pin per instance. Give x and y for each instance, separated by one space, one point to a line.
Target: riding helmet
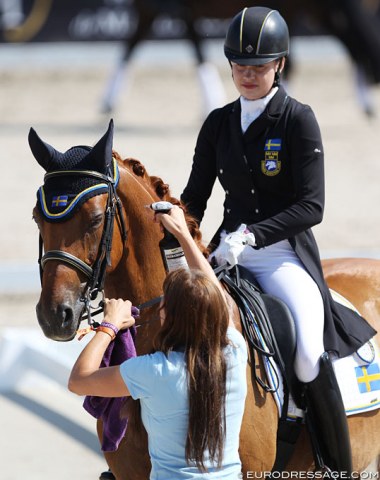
255 36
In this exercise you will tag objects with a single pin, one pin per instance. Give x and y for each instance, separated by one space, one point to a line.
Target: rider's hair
196 321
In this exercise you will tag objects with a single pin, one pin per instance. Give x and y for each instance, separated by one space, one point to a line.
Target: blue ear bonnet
71 177
60 197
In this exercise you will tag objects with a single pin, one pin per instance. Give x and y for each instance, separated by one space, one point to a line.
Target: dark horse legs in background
210 83
358 28
352 22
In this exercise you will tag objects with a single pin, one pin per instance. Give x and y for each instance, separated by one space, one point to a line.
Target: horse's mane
162 190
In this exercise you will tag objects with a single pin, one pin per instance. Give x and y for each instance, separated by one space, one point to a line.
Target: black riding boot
328 418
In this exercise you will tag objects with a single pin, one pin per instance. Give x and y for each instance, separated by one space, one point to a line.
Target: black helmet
255 36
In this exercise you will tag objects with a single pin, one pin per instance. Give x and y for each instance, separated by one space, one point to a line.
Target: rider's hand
233 245
119 313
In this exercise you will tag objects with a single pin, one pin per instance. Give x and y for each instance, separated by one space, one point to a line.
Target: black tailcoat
273 178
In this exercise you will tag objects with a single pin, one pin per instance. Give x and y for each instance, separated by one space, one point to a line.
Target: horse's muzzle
60 322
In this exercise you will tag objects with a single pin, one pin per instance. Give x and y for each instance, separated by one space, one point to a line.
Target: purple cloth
108 409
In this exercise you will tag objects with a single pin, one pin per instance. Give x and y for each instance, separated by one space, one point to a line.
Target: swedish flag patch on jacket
273 144
271 165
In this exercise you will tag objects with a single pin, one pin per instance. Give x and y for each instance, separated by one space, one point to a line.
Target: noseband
97 272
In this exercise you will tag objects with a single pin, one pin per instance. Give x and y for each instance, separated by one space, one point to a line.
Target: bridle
97 272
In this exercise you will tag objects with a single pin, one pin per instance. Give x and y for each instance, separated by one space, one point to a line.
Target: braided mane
162 190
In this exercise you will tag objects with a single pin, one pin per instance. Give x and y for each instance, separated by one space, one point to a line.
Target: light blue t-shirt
161 385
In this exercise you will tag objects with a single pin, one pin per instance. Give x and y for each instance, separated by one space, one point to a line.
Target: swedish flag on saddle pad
74 176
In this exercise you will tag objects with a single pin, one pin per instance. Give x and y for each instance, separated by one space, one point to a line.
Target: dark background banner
87 20
65 20
101 20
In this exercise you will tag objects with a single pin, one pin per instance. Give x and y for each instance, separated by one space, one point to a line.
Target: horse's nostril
66 314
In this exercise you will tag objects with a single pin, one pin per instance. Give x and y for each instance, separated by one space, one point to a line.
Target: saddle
269 329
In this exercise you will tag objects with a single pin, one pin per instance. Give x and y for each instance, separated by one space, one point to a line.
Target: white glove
232 245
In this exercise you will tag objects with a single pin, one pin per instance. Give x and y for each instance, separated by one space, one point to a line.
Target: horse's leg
131 460
119 76
210 83
116 80
363 92
359 31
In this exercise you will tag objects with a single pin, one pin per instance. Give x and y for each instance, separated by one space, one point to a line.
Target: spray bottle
171 250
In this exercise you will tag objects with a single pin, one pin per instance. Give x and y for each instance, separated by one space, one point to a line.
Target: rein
97 272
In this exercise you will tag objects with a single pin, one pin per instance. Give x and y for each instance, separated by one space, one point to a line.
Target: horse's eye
96 221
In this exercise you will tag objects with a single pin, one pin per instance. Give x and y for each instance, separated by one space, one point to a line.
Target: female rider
265 148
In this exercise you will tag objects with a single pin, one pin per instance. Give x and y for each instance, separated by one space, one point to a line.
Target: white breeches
280 272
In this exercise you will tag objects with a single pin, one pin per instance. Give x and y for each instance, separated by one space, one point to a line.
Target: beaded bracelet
108 331
111 326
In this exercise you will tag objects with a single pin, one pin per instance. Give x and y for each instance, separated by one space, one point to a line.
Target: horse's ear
43 152
101 153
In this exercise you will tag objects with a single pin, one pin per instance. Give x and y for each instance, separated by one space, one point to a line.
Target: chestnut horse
135 271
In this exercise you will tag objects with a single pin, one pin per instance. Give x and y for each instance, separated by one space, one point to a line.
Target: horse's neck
140 273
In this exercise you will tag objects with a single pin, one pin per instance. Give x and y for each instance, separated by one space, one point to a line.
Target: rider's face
255 81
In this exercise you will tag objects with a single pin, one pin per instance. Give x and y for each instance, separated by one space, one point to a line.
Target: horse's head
85 189
75 214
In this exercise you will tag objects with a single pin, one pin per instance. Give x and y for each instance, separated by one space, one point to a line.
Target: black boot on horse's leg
329 419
